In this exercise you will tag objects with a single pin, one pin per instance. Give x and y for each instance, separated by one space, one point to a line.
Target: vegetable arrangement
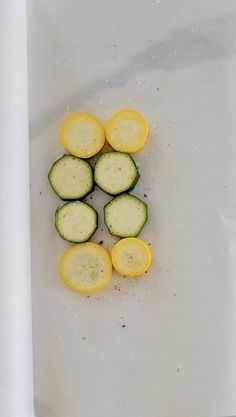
87 266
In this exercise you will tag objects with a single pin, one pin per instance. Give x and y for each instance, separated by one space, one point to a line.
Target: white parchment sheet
16 383
174 60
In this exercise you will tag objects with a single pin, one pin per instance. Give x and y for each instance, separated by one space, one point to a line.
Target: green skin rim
74 198
141 227
75 241
127 189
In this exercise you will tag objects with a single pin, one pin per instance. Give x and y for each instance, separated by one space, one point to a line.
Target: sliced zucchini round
82 134
71 178
125 215
86 267
116 172
127 131
76 221
131 257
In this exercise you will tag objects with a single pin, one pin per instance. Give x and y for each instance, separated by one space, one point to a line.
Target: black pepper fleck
101 242
145 195
123 325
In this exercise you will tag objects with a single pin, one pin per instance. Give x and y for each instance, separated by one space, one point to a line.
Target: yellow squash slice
127 131
86 267
82 134
131 257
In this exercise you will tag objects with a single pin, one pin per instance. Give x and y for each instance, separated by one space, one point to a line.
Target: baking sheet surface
175 62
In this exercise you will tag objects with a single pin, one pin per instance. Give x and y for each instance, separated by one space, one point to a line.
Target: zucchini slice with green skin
71 178
76 221
125 215
116 172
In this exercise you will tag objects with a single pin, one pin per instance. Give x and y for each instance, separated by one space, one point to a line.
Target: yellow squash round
127 131
86 267
131 257
82 134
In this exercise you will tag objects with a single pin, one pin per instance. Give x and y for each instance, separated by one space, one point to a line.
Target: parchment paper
16 383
